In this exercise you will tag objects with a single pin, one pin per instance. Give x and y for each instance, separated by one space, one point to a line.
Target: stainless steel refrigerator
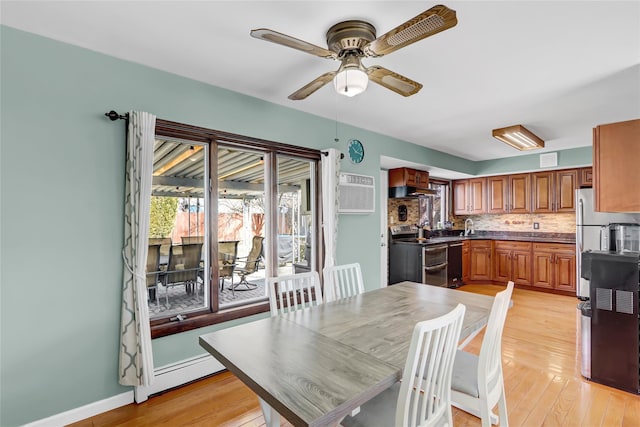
589 226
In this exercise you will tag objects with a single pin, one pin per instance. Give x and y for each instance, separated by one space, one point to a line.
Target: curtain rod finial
113 116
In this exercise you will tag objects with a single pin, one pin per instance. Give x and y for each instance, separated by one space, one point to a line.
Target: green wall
61 182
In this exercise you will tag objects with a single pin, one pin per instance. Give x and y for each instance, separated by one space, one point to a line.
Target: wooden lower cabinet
546 266
466 261
554 266
480 260
512 261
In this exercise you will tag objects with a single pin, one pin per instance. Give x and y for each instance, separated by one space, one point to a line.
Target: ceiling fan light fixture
351 81
518 137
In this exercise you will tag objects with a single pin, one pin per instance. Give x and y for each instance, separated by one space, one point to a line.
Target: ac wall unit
357 193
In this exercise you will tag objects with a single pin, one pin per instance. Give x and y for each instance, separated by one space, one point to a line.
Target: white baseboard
165 377
83 412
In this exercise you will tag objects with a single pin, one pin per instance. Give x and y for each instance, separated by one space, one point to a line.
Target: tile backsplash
548 223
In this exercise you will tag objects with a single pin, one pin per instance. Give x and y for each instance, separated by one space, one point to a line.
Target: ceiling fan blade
428 23
285 40
312 86
393 81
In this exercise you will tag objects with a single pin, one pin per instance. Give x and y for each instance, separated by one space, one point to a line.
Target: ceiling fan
350 41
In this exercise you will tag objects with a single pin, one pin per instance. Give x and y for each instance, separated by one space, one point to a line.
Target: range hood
406 191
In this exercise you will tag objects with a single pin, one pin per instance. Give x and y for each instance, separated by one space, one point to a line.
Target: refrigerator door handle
580 235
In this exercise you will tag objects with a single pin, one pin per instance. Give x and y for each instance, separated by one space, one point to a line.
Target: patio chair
227 254
423 398
187 240
153 265
165 245
250 266
183 269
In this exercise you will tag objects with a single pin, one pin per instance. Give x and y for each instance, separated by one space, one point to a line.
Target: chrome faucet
468 227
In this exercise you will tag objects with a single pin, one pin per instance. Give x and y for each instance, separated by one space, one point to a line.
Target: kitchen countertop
569 238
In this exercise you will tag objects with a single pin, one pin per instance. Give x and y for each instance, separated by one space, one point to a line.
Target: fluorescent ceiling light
518 137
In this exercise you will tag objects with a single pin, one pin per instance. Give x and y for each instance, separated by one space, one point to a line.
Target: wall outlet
536 225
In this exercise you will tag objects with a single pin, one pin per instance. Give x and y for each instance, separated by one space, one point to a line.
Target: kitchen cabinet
616 158
554 266
466 261
498 194
401 177
480 260
520 193
585 177
469 196
509 194
512 261
554 191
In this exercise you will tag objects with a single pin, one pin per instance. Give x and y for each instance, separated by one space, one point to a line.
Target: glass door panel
241 227
295 221
178 250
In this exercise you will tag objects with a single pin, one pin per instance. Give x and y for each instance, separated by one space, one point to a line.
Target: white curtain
330 199
136 358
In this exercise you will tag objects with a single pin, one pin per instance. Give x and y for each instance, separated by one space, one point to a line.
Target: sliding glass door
226 213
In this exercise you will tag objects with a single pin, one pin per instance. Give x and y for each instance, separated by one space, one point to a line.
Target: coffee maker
620 238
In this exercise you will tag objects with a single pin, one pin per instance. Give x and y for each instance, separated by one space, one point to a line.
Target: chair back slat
425 391
293 292
345 280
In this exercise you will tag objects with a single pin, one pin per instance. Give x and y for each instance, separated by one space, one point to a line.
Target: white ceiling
559 68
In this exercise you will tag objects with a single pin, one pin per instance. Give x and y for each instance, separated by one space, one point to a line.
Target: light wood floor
540 362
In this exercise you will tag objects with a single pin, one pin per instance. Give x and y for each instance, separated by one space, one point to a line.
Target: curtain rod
113 116
326 153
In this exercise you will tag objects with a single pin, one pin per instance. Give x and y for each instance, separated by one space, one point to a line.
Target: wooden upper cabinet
469 196
616 158
477 196
497 194
520 193
585 177
542 190
566 183
410 177
554 191
460 205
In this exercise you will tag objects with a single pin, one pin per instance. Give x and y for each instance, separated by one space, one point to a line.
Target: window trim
213 315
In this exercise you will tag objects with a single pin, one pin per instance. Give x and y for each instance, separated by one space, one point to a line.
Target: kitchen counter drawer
554 247
512 245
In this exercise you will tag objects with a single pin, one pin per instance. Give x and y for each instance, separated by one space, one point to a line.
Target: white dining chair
423 397
344 280
293 292
477 384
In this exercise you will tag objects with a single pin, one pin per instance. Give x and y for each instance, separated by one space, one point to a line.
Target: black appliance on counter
614 288
416 259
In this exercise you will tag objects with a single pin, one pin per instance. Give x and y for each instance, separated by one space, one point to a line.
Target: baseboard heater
177 374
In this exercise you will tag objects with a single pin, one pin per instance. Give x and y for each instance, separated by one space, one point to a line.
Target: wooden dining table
316 365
